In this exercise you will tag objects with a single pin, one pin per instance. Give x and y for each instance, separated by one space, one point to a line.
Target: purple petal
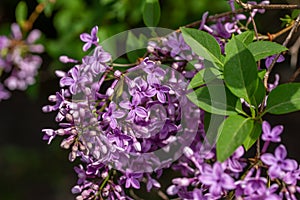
135 183
125 104
215 190
33 36
266 127
277 130
118 114
161 97
268 159
104 57
66 81
275 172
16 31
86 46
141 111
280 152
85 37
227 182
289 165
113 123
207 179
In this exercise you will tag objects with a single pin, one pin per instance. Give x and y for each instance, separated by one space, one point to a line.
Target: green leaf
240 70
253 136
211 124
285 98
151 13
261 74
205 75
232 133
259 94
214 98
246 37
135 46
21 13
203 44
263 49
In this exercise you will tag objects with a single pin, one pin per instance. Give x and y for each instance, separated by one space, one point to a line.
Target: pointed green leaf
204 76
135 46
284 99
240 70
21 13
203 44
253 136
232 133
263 49
259 94
215 99
246 37
211 124
151 13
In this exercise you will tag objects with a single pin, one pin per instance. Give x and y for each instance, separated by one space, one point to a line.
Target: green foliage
253 136
203 44
284 99
228 78
135 46
151 13
21 13
214 98
263 49
240 70
232 133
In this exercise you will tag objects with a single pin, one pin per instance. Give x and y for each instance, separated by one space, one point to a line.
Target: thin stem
162 195
248 6
293 78
288 38
35 14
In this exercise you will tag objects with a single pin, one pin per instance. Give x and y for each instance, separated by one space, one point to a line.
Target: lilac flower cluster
127 134
204 178
18 62
128 127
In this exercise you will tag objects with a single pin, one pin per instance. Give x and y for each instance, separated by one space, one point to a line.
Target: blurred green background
29 168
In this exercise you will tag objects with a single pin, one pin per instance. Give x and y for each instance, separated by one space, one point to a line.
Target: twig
35 14
162 195
248 6
295 75
294 49
288 38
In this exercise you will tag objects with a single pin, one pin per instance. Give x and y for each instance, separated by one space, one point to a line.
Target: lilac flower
278 164
132 179
73 80
177 44
91 39
97 62
112 114
49 135
217 179
234 163
160 91
152 182
270 59
134 109
269 134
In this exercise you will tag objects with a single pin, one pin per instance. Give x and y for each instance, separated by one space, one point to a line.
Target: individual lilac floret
234 163
90 39
271 134
278 164
270 59
217 179
112 115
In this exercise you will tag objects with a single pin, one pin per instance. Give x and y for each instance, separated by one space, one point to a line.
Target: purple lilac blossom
278 163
